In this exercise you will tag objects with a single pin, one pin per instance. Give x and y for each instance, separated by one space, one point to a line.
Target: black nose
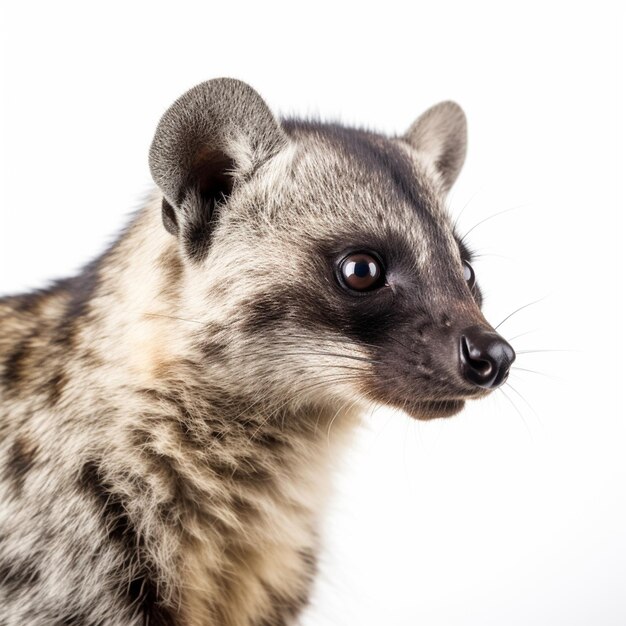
486 358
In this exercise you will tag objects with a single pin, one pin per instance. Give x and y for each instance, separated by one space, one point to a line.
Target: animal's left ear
440 135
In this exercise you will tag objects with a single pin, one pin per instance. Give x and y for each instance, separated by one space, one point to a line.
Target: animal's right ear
213 136
440 134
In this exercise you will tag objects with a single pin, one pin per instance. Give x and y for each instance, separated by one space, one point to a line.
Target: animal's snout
485 357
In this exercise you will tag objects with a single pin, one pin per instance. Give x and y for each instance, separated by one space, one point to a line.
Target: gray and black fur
164 449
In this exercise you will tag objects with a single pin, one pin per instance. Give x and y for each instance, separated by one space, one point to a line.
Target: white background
515 511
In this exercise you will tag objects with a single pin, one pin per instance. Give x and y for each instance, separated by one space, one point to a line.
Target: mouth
431 409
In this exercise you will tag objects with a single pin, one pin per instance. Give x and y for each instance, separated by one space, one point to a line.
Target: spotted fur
169 418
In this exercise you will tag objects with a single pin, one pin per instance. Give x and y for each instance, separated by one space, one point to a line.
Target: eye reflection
361 271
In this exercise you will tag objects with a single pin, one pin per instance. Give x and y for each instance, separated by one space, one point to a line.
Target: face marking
382 265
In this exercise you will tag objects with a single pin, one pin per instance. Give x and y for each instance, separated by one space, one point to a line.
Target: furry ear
212 136
440 134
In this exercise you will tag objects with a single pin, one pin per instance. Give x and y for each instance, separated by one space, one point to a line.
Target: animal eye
361 271
468 273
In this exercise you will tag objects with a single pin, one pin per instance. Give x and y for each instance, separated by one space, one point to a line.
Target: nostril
485 357
483 367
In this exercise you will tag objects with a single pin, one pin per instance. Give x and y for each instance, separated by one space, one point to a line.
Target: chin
431 409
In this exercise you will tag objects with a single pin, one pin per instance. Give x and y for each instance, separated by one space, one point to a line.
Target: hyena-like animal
164 448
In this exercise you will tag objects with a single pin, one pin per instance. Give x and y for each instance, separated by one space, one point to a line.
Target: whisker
518 310
482 255
380 429
352 368
517 411
458 217
403 345
342 408
516 392
339 355
270 354
515 208
523 369
548 350
321 380
317 353
318 340
528 332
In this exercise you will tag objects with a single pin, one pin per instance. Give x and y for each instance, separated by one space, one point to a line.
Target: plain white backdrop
514 512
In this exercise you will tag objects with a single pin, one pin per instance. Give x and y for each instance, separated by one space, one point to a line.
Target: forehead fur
350 185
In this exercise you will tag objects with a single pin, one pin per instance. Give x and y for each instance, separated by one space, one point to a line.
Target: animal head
320 259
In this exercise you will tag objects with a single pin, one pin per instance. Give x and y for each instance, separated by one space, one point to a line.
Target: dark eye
361 271
468 273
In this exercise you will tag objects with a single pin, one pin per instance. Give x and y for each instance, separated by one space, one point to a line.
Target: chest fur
247 496
252 559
